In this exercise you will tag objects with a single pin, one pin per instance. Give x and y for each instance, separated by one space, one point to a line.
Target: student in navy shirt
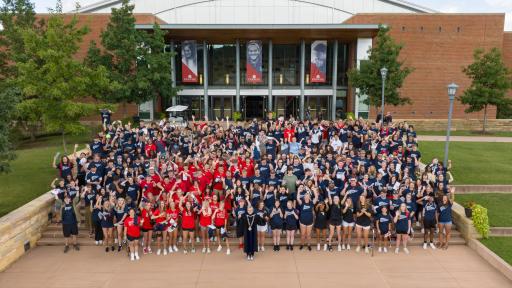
69 224
290 217
306 217
348 221
276 224
430 216
445 220
402 222
383 228
363 223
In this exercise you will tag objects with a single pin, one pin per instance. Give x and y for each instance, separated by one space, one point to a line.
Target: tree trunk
485 119
64 142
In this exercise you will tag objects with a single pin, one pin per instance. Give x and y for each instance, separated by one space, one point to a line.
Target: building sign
254 57
189 61
318 61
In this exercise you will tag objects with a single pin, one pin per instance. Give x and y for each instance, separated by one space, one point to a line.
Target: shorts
69 229
276 226
363 227
348 224
384 232
188 229
203 228
429 224
401 232
306 222
159 227
131 238
146 229
446 223
262 228
335 222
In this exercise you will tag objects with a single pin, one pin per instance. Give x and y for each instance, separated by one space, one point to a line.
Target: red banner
189 61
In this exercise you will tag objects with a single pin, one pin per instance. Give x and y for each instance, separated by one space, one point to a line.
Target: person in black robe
249 221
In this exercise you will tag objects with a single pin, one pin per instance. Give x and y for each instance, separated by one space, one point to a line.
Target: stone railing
20 229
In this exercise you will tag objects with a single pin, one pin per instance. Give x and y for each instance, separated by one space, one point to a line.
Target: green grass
474 162
498 207
32 171
467 133
502 246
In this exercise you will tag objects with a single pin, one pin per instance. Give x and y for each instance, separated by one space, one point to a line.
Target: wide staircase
52 236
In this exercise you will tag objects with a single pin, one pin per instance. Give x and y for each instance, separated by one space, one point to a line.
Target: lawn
498 207
32 173
474 162
467 133
502 246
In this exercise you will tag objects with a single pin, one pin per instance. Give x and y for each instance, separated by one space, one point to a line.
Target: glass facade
286 65
222 65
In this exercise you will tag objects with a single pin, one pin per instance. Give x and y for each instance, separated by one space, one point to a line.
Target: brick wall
507 52
438 46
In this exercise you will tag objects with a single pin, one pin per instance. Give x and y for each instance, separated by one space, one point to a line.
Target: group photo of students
243 188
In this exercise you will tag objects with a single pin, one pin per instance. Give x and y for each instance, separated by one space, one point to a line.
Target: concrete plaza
459 266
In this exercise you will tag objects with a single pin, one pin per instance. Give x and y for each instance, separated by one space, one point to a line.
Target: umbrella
177 108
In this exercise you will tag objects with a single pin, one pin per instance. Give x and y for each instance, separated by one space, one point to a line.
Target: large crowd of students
169 188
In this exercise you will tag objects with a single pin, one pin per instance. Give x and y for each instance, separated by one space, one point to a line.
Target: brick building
301 51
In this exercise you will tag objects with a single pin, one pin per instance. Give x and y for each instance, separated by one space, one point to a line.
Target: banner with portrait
318 68
253 66
189 61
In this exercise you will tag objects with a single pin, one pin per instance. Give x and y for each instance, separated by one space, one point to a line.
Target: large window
342 65
222 64
286 65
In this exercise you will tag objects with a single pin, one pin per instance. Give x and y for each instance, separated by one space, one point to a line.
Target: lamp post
452 90
383 74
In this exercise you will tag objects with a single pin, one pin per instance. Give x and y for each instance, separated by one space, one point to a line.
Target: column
334 78
270 75
173 73
237 97
302 72
205 80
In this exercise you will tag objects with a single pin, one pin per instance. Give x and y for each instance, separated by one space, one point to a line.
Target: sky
447 6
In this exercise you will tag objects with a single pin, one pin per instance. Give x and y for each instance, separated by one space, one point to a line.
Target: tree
491 79
8 99
134 58
53 80
368 79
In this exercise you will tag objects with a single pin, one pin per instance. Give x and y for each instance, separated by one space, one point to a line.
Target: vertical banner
189 61
254 57
318 66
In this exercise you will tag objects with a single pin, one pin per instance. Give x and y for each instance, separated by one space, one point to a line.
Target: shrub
481 220
237 116
350 116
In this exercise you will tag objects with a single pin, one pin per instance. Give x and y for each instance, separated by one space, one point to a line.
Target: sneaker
291 247
339 248
252 258
262 248
115 241
106 249
219 248
119 247
97 242
309 248
325 247
275 248
101 242
208 251
158 252
248 258
396 250
425 245
198 240
348 246
418 224
113 249
380 249
165 252
149 250
301 247
366 250
329 248
318 247
175 248
228 252
203 250
385 250
145 251
278 247
193 250
66 249
433 246
343 247
137 256
185 251
422 230
170 249
358 249
77 247
287 246
406 251
132 257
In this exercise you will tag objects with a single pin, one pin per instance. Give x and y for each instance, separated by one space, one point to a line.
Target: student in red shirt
188 216
172 225
147 227
205 220
132 225
159 217
220 219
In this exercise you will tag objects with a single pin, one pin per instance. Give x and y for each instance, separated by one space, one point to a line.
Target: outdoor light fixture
227 79
452 90
307 78
201 79
281 79
383 74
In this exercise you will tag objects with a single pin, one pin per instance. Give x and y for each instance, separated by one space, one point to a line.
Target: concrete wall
21 226
459 124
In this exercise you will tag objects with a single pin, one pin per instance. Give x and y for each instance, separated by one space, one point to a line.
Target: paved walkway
48 267
465 138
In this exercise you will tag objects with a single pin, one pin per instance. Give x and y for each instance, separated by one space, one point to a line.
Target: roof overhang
279 33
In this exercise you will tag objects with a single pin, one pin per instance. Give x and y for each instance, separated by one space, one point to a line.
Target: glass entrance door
254 107
287 106
222 107
317 107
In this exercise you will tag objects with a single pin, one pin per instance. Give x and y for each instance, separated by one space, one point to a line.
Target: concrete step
268 242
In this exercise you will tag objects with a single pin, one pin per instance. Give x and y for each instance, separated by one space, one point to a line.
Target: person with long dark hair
249 222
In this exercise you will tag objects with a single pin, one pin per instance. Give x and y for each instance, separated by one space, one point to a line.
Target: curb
470 189
501 231
491 257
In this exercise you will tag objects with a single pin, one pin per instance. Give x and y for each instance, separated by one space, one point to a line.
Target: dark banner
318 61
254 73
189 61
